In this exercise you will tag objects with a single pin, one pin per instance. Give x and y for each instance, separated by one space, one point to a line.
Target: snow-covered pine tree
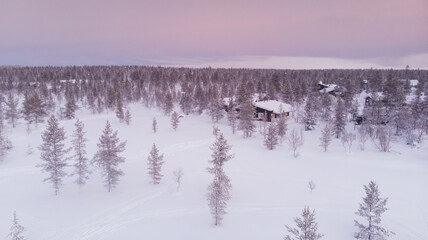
232 115
154 125
281 125
54 153
2 112
80 158
168 105
186 101
340 118
306 229
216 109
271 137
128 117
219 190
154 163
37 109
12 113
246 118
16 229
326 111
175 120
33 108
310 118
371 209
326 134
119 109
5 145
107 157
287 92
100 105
70 107
90 99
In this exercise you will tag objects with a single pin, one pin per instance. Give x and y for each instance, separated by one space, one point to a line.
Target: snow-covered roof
327 87
414 82
273 105
67 81
330 88
322 84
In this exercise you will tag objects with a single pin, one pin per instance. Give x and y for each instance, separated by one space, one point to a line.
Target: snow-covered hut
271 110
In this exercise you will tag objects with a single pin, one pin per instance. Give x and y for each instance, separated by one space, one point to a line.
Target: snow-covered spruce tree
271 137
246 118
371 209
2 112
12 113
219 190
232 116
154 125
100 105
34 108
16 229
80 158
119 109
199 99
70 107
175 120
154 163
107 157
340 118
326 111
306 229
168 105
128 117
216 109
5 145
326 135
54 153
286 92
281 126
186 101
90 99
310 118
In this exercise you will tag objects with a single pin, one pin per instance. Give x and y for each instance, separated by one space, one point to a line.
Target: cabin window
260 115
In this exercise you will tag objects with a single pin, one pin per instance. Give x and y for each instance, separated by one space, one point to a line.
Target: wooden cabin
271 110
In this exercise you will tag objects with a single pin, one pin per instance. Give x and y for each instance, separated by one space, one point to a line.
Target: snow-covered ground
269 187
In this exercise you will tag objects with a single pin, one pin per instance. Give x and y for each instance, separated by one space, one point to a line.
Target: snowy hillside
269 187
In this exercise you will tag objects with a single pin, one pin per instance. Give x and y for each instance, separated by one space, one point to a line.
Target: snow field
269 187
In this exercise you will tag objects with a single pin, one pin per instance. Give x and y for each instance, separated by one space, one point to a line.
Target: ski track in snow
106 222
183 146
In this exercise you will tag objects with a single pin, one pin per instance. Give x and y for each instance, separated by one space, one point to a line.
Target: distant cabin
270 110
331 89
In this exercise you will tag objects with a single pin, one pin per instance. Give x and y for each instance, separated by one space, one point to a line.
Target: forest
381 106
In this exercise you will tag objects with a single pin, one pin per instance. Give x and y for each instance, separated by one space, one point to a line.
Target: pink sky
78 32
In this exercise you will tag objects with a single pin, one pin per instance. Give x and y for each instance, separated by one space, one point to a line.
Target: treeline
394 101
